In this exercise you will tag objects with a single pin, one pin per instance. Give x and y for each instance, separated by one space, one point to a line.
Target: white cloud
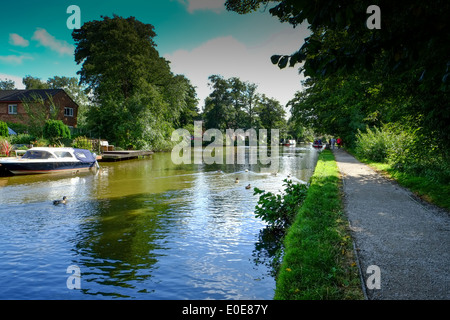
228 57
14 59
49 41
17 80
212 5
17 40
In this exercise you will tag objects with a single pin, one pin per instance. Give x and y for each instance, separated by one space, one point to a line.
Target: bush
4 132
18 127
279 210
373 144
408 150
41 142
5 147
22 138
82 143
55 130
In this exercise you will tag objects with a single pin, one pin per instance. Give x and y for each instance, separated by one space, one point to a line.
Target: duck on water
63 201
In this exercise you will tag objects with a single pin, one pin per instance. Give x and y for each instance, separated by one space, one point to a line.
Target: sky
199 38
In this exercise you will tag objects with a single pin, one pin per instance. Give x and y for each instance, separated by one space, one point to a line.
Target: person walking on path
402 244
332 142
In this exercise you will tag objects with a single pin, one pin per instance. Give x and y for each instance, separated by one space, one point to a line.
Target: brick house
12 109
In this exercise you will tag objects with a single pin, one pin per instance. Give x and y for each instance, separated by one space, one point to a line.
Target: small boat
51 160
289 143
317 144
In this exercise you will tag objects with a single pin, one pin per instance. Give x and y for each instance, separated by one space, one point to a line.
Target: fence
95 145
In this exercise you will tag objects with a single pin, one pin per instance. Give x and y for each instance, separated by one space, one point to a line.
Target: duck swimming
237 180
63 201
248 187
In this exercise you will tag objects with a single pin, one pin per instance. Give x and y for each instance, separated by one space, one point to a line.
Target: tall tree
410 50
138 99
7 84
235 104
116 54
271 114
251 97
34 83
218 112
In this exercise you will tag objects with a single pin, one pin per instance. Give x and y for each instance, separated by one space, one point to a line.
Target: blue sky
199 37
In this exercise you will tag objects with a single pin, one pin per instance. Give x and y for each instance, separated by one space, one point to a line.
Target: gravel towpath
402 243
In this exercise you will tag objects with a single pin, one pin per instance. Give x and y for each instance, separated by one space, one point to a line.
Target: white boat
50 160
289 143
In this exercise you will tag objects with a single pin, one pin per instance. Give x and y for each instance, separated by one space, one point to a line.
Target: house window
12 109
68 112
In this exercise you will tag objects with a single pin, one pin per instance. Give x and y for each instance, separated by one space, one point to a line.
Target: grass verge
318 261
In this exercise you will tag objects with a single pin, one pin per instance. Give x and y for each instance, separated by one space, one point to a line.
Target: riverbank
319 262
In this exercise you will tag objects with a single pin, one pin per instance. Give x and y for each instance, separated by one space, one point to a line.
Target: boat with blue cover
51 160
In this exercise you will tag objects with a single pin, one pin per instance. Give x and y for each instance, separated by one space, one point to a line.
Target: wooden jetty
124 155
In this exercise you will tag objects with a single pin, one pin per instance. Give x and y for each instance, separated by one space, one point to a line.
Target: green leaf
275 59
283 62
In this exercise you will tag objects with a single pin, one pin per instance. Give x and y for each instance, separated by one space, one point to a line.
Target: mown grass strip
318 261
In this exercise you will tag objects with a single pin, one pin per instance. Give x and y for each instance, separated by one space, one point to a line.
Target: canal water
141 229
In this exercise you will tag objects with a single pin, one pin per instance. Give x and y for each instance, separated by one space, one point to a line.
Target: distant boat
50 160
318 146
289 143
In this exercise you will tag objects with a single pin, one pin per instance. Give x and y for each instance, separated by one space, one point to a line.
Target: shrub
82 143
372 144
55 130
5 147
41 142
279 210
23 138
4 132
18 127
406 149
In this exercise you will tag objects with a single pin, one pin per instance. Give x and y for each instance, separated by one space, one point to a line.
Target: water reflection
143 229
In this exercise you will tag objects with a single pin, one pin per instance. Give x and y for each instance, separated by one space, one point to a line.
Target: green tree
189 111
137 98
251 97
7 84
236 104
116 55
34 83
218 112
411 57
271 113
403 41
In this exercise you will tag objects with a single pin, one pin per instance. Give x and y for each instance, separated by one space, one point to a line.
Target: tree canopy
406 62
137 98
236 104
412 35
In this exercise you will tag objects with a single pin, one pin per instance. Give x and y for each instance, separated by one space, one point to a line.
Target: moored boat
289 143
51 160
